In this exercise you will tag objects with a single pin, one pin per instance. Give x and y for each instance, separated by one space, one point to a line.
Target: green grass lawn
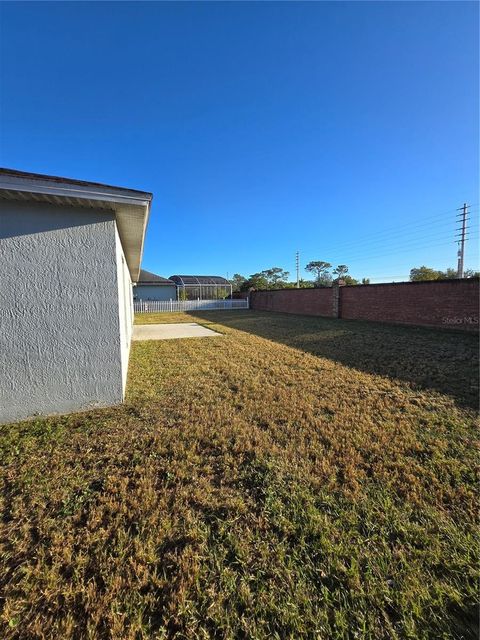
294 478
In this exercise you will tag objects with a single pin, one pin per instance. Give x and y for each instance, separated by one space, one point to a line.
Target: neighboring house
153 287
69 252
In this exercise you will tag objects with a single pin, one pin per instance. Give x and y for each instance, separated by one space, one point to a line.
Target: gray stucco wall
59 310
155 292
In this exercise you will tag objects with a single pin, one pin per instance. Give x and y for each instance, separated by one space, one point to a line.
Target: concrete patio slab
171 331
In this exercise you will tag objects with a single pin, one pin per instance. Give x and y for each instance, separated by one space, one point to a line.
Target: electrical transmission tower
462 235
297 264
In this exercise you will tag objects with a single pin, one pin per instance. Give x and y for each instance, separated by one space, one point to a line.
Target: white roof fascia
73 191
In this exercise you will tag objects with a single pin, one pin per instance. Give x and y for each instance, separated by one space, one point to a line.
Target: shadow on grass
443 360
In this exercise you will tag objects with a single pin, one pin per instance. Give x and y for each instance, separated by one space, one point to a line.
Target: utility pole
297 261
461 242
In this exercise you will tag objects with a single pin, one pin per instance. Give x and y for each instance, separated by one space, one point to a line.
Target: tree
427 273
418 274
325 280
341 271
255 281
449 273
219 293
365 280
275 277
237 282
320 271
306 284
349 280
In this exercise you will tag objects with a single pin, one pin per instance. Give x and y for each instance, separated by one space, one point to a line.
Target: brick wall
309 302
444 303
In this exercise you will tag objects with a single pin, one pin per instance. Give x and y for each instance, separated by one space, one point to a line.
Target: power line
435 216
372 239
425 220
406 241
382 236
403 243
416 247
396 244
401 251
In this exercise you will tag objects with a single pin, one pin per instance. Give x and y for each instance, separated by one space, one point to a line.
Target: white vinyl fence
163 306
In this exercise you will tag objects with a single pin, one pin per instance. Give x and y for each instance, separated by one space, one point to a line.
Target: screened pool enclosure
202 287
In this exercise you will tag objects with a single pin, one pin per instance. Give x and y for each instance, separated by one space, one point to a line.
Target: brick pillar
336 300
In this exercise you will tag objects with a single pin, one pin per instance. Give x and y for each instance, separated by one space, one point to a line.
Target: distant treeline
324 275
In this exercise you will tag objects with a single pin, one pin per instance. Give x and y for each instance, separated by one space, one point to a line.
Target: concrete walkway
171 331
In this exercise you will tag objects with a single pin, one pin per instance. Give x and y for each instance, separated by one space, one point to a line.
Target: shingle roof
146 277
15 173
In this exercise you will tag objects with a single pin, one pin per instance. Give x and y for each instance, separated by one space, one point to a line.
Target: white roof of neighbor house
131 207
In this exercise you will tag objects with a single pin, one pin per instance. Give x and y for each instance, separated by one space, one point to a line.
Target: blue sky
347 131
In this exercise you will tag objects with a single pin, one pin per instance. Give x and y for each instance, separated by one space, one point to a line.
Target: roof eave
131 208
145 225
